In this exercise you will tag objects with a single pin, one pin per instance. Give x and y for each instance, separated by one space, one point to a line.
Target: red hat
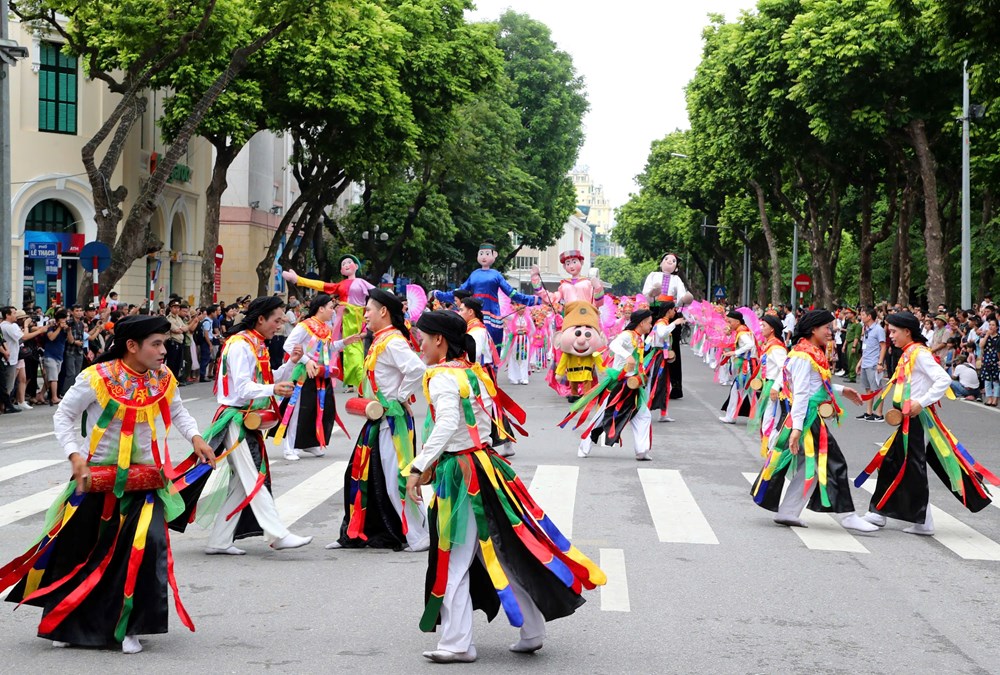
572 253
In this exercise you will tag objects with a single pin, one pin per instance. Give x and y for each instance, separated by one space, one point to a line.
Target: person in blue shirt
53 354
484 284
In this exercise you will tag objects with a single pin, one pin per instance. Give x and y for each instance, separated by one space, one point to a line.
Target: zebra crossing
674 515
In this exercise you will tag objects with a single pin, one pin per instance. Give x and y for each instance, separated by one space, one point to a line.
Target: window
50 216
524 262
56 91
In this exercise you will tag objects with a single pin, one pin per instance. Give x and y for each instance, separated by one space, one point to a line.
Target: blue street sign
52 266
719 292
43 249
97 252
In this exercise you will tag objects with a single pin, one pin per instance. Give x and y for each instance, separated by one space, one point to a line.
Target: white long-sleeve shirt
399 372
81 398
674 286
484 351
929 381
301 336
450 434
805 382
774 360
746 345
241 364
623 349
658 337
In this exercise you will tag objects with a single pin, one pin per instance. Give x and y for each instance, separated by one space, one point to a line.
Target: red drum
365 407
261 420
141 478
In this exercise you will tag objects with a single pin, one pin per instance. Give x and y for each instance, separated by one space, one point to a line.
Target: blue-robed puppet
484 284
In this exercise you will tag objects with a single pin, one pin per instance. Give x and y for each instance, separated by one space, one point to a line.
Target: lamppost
10 52
969 113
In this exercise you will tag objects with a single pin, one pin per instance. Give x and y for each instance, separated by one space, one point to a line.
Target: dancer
314 407
667 285
661 357
352 294
744 367
245 389
484 284
819 479
914 392
101 568
376 511
492 545
620 398
519 333
770 404
541 341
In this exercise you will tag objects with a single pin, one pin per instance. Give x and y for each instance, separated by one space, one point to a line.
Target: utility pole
795 263
966 226
10 52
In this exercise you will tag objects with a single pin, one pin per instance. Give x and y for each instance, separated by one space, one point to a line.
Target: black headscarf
476 305
660 309
316 303
394 307
733 314
908 321
258 307
637 317
774 323
451 327
136 328
809 322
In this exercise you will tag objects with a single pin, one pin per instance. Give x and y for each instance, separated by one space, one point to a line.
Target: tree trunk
869 239
772 244
225 155
933 239
986 272
905 219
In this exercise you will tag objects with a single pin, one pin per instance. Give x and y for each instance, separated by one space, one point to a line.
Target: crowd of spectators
42 353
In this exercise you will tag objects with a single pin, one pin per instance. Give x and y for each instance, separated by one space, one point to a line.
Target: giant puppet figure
484 285
352 293
576 288
667 286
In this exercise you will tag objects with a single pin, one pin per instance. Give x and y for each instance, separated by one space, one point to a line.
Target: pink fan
607 312
505 305
416 301
752 321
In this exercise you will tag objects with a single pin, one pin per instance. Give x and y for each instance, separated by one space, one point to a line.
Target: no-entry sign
803 283
218 273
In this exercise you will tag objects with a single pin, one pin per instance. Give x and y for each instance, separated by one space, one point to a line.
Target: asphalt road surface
700 579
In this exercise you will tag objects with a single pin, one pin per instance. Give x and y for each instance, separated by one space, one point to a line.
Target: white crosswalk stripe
674 510
824 532
29 438
27 466
553 487
294 504
29 506
955 535
614 594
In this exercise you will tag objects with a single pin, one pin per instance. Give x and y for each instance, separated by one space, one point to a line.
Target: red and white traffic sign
218 273
803 283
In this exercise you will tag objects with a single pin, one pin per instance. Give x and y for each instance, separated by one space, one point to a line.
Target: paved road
701 580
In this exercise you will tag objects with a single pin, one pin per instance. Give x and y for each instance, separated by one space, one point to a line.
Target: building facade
55 110
597 212
576 235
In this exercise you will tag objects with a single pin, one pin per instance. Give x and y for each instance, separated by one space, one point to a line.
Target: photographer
27 362
53 354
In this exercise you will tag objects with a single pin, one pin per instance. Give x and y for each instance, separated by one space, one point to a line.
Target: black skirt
81 548
676 385
838 484
909 500
622 406
662 382
305 429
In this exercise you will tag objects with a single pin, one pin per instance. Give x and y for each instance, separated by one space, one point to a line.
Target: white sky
636 56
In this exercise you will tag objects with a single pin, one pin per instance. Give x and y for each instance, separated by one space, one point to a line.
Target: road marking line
824 532
190 400
310 493
27 466
29 438
29 506
675 513
953 534
614 594
553 487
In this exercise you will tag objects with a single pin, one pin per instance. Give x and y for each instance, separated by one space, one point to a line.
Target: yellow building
592 202
55 110
576 235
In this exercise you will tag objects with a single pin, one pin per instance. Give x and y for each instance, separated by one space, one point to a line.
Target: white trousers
642 431
288 444
241 483
794 500
733 409
456 608
417 535
517 371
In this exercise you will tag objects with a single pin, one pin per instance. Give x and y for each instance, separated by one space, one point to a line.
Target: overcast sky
636 56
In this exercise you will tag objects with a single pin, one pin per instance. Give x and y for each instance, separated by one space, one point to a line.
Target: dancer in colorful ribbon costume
245 389
376 511
352 293
914 392
667 285
620 398
308 415
819 472
492 545
770 403
484 284
743 355
661 358
519 331
101 568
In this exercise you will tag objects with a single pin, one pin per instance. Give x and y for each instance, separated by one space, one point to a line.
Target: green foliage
625 276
